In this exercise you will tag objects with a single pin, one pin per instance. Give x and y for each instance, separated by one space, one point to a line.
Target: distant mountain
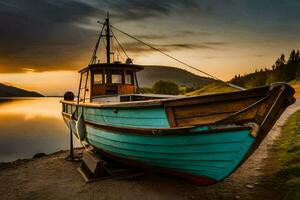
9 91
152 74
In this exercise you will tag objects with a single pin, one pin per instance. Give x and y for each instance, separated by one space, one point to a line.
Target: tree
280 61
292 58
165 87
145 90
281 71
282 58
297 56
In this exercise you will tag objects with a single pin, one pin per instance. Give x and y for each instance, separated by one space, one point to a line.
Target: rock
249 186
39 155
237 197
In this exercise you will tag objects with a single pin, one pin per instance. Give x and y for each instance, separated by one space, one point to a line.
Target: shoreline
21 161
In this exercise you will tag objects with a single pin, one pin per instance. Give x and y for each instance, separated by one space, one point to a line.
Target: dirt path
51 177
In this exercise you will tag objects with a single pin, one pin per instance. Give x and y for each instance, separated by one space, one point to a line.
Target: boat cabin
103 80
110 81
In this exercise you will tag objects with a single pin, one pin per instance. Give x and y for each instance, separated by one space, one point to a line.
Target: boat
200 138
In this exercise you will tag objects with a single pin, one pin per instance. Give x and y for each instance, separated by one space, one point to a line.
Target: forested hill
283 70
151 74
9 91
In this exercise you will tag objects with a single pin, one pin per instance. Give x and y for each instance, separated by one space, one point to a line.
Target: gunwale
173 101
159 131
268 95
183 100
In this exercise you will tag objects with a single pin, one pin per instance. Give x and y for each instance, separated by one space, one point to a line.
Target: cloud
215 43
45 35
139 9
179 34
42 35
136 47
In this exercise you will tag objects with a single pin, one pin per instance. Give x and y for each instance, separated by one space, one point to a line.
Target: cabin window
98 79
116 78
128 79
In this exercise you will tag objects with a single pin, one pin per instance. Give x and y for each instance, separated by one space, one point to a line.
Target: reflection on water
30 126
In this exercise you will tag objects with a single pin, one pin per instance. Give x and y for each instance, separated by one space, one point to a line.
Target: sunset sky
43 43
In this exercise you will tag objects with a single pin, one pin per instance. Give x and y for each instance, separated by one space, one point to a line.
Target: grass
220 87
212 89
289 157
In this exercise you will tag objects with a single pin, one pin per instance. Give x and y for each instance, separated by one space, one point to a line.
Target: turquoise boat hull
205 158
212 156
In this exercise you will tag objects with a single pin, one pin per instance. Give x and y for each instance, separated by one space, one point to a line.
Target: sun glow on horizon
51 83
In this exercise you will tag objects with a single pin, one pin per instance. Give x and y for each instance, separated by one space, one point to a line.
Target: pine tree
282 59
297 56
292 57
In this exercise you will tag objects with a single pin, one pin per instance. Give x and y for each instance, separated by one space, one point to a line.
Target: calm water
30 126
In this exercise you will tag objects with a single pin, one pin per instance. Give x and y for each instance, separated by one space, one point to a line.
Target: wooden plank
252 93
244 116
83 175
147 131
91 161
171 116
201 120
136 104
169 131
212 108
98 90
126 89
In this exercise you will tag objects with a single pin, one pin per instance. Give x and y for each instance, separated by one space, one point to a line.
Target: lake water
32 125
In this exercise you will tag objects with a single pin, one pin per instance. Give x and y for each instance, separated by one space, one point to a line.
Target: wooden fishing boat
201 138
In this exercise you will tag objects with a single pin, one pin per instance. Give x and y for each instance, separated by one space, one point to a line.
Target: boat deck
131 97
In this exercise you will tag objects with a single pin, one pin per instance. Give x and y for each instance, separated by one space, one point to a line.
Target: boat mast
107 39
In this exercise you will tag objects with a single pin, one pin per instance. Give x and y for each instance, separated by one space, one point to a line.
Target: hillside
152 74
212 88
282 71
9 91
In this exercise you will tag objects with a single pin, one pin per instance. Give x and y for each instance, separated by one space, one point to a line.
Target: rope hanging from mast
119 44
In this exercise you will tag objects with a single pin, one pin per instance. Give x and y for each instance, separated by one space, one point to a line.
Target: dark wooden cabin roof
113 66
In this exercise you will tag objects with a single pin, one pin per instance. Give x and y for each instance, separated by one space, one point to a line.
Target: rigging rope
119 44
94 56
176 59
172 57
119 53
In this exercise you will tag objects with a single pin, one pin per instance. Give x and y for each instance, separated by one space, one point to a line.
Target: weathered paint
213 155
154 117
